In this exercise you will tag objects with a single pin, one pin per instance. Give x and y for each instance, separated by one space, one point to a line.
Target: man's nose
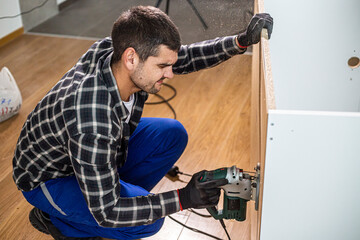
169 73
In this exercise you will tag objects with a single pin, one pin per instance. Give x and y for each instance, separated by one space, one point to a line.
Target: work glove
198 194
252 35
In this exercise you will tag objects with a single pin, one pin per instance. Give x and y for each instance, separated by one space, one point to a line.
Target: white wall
9 8
38 15
60 1
310 46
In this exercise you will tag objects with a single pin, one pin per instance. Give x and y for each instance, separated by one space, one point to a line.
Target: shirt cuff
236 45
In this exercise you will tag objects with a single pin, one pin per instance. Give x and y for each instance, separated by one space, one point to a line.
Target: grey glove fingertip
269 28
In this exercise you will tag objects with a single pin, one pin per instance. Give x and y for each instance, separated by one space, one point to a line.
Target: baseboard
65 4
11 36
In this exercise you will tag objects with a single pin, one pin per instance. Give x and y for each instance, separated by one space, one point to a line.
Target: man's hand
201 194
252 35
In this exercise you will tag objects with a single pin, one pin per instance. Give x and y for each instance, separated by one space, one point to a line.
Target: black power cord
224 227
194 229
200 214
199 231
25 12
174 172
166 101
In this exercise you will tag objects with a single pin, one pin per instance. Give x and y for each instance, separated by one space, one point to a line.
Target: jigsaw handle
220 173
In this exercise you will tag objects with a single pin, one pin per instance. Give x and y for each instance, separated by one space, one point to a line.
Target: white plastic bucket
10 96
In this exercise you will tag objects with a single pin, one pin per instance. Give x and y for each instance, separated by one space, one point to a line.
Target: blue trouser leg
154 147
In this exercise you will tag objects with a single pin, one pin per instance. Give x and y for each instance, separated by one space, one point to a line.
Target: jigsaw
242 187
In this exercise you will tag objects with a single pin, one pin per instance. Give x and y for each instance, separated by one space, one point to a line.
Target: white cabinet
311 159
8 25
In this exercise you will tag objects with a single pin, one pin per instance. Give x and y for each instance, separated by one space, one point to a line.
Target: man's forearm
136 211
206 54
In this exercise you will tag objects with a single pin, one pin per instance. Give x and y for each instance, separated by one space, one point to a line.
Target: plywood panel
262 99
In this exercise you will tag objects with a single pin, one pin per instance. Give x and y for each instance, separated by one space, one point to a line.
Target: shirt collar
110 81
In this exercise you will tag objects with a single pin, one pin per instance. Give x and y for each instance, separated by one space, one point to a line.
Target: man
87 160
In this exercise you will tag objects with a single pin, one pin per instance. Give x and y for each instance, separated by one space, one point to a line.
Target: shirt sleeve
206 54
93 158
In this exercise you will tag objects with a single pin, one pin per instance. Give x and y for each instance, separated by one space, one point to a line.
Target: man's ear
130 58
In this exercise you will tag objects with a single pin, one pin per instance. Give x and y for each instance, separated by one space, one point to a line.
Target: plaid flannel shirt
79 129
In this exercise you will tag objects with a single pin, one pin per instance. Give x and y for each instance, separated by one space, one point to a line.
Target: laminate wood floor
213 105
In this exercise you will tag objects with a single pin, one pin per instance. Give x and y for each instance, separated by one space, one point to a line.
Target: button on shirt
80 128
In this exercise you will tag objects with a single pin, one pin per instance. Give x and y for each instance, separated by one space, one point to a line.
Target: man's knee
177 130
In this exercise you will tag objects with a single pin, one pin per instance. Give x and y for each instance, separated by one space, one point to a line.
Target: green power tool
242 187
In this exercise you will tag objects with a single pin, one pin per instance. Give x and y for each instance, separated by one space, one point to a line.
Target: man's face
150 74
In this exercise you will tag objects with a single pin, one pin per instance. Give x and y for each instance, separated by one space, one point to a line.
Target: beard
145 87
138 80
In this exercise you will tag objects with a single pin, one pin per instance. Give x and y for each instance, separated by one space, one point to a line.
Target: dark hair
144 29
